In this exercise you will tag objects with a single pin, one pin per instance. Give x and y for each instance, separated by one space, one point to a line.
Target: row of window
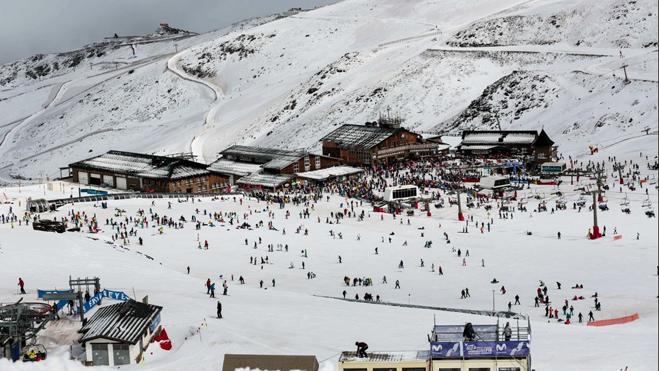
101 354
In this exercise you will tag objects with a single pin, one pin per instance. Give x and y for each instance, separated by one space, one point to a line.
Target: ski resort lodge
147 173
118 334
537 147
376 142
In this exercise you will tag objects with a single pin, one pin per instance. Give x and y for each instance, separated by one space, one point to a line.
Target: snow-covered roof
359 136
273 158
124 322
481 138
502 137
519 138
264 180
477 147
118 162
280 163
421 355
330 172
224 166
143 165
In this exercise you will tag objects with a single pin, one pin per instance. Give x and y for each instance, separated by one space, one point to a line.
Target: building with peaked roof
380 141
534 145
277 161
269 362
147 173
118 334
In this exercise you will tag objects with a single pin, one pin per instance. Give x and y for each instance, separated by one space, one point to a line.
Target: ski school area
557 274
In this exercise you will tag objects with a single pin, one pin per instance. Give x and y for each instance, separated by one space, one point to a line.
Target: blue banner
495 349
479 349
96 299
445 349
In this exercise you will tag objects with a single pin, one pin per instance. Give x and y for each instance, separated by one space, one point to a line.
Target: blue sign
154 324
96 299
445 349
479 349
473 349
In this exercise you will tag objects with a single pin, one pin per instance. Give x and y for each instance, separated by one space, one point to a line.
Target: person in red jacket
21 284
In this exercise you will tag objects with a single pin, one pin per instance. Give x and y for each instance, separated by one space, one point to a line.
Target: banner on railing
478 349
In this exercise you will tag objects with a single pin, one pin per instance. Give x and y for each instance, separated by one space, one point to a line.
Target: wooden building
147 173
375 142
278 161
269 362
535 146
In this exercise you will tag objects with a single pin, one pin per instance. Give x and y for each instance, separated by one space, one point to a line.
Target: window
307 163
384 369
414 369
509 369
449 369
479 369
100 355
121 354
354 369
318 162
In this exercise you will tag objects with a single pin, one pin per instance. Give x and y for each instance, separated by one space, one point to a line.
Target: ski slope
291 319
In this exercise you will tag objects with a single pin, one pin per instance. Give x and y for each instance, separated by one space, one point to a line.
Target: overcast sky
28 27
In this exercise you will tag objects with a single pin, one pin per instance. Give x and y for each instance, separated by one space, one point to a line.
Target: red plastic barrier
614 321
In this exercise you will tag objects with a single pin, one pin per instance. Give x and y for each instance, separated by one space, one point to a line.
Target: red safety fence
614 321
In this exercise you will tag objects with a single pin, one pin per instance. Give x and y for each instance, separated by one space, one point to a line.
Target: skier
208 286
517 300
219 309
344 294
188 269
21 284
397 286
212 290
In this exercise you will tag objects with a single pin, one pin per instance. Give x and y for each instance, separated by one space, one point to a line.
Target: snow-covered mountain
443 65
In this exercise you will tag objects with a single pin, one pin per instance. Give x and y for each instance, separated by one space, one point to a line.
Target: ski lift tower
597 197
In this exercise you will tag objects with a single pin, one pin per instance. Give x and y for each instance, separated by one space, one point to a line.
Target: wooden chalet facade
376 142
147 173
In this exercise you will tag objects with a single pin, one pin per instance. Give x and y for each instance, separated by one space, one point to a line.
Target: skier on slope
21 284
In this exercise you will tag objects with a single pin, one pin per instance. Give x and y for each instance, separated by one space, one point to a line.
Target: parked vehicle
49 226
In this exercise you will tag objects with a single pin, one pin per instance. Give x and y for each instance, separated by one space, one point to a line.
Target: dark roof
269 362
124 322
142 165
360 136
271 158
